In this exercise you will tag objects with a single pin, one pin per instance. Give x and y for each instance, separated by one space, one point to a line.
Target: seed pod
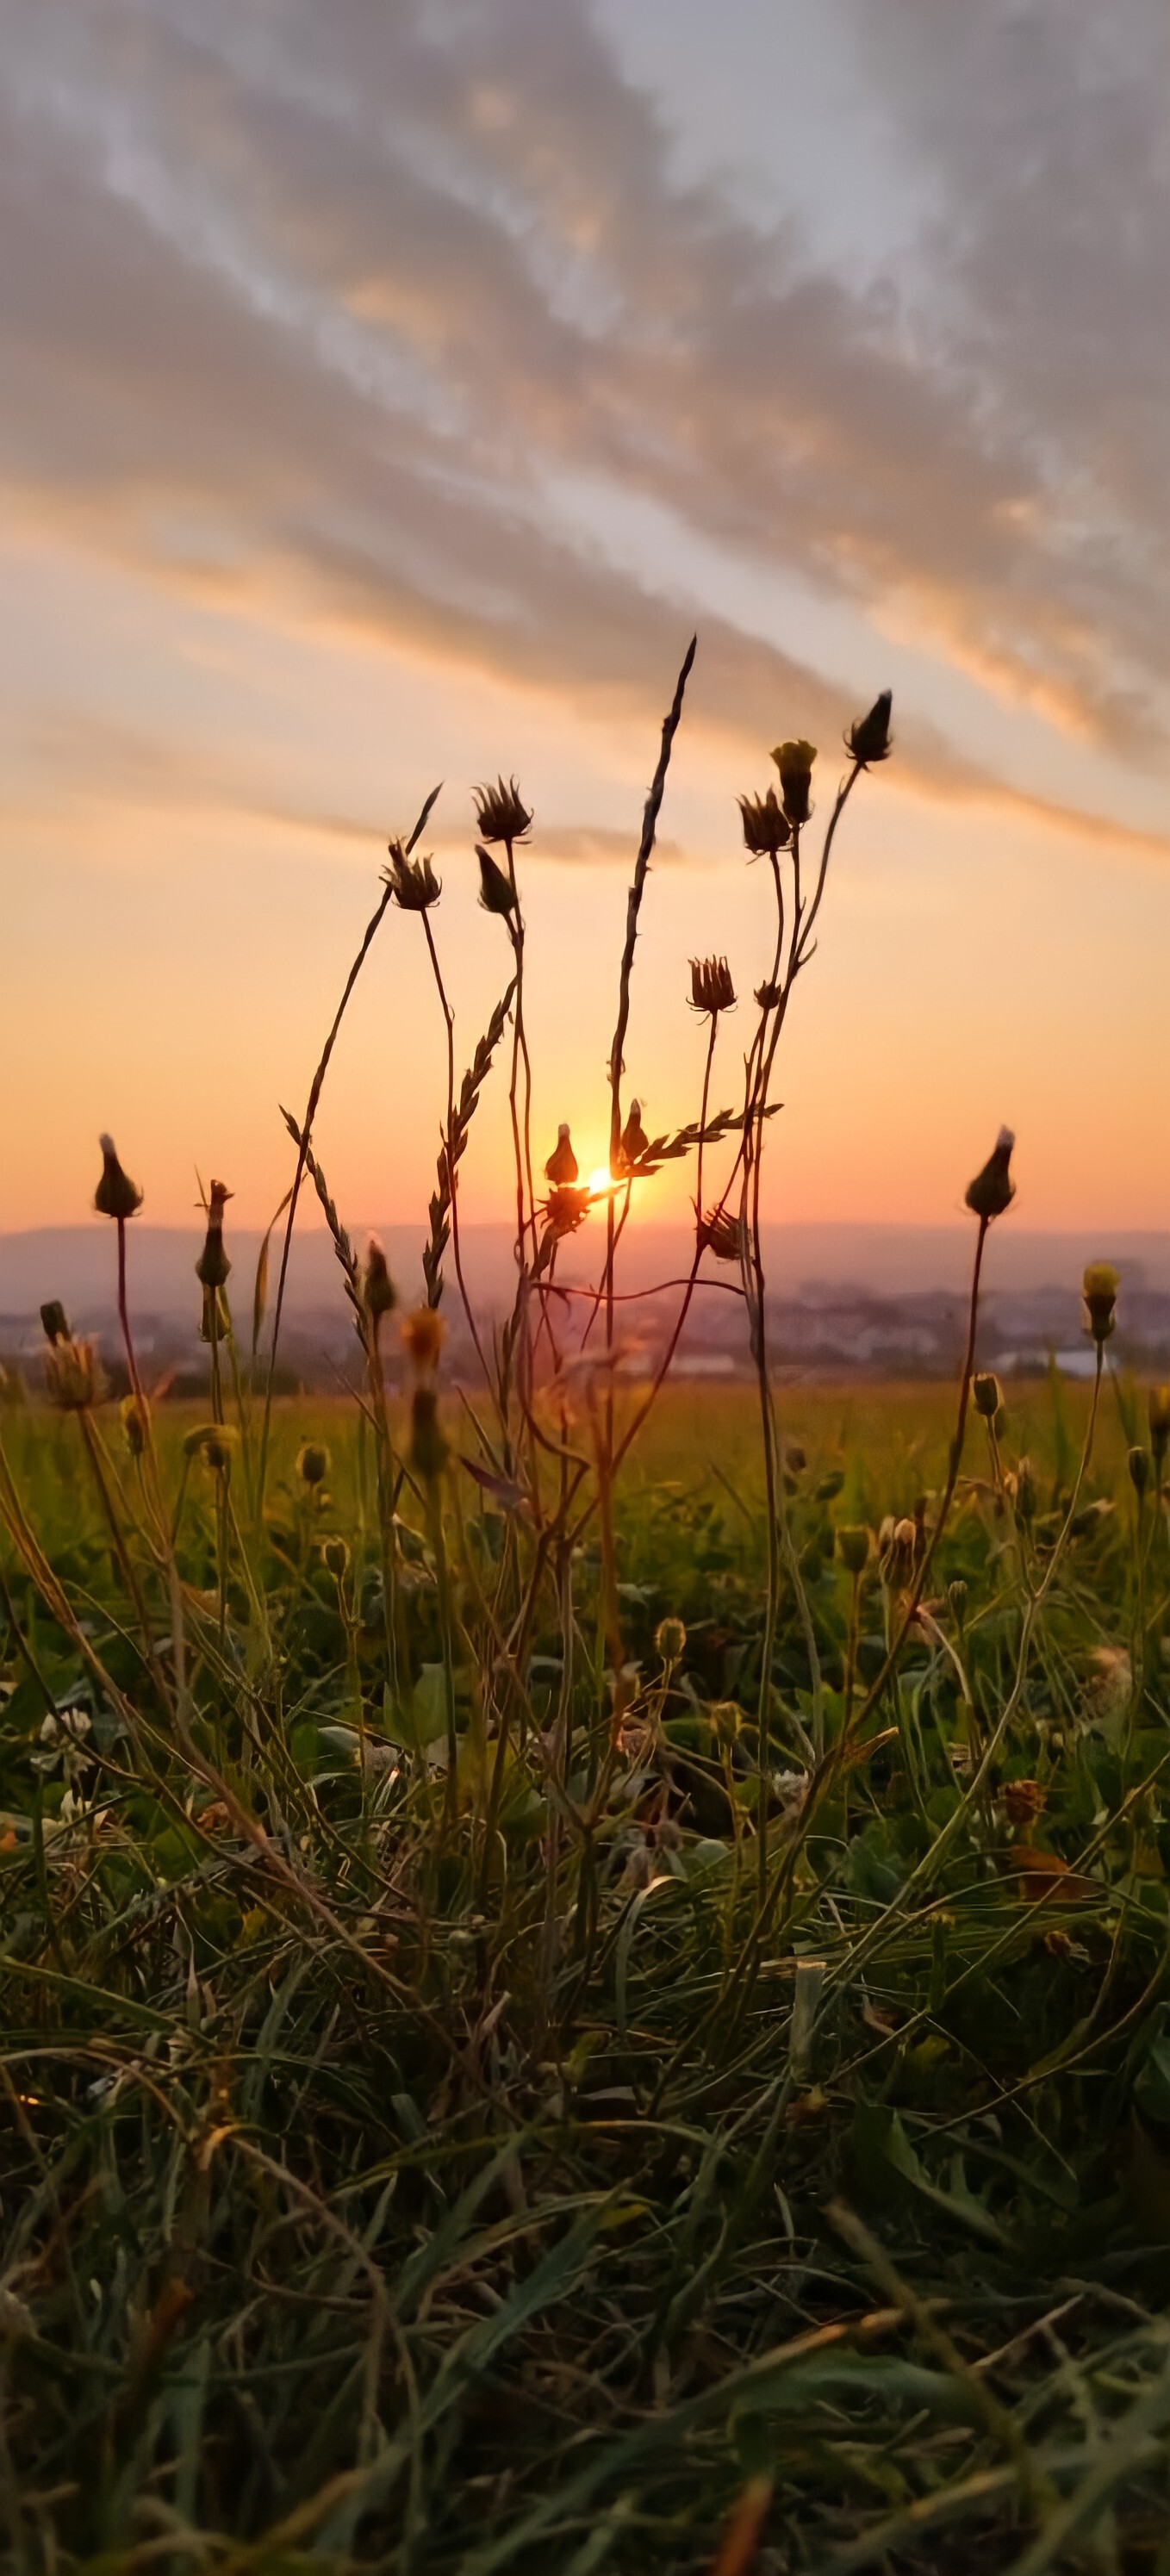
794 760
54 1319
566 1209
213 1268
993 1189
73 1379
670 1639
1157 1410
336 1556
1100 1288
500 812
957 1596
869 738
985 1390
853 1543
1139 1470
412 882
562 1165
712 989
378 1291
1025 1492
313 1464
116 1194
766 828
634 1137
495 892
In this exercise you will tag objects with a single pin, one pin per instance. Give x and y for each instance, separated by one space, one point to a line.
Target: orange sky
332 465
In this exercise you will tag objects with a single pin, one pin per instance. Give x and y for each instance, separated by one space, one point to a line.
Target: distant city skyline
385 395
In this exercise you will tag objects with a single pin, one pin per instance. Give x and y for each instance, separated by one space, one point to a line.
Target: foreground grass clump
561 2020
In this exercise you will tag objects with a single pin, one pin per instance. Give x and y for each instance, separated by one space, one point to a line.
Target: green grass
367 2202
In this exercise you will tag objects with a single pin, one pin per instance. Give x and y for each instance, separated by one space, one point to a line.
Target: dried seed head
794 760
336 1557
116 1194
378 1290
670 1639
500 813
1139 1470
853 1547
73 1378
54 1320
412 882
766 828
134 1424
1099 1288
712 989
423 1335
428 1449
1022 1800
1158 1415
767 995
720 1232
566 1208
634 1140
993 1189
213 1267
562 1165
985 1389
313 1464
495 891
869 739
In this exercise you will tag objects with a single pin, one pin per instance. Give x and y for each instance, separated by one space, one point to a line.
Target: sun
601 1182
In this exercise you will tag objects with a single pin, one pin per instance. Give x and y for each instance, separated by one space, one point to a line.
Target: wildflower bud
712 989
905 1535
336 1556
562 1164
767 995
53 1318
794 760
72 1376
566 1209
957 1596
1158 1415
635 1141
719 1232
766 828
378 1290
412 882
886 1530
993 1189
1139 1470
869 738
133 1413
853 1547
428 1449
213 1268
985 1389
313 1464
214 1442
500 813
116 1194
1100 1288
726 1720
495 892
1025 1491
670 1639
423 1336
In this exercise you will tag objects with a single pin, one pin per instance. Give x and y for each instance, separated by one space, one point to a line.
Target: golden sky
385 394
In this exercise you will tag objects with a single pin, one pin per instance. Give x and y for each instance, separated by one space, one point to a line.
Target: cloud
325 302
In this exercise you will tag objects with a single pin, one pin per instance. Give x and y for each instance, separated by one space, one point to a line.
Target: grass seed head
712 989
794 760
993 1189
116 1194
495 892
869 739
500 812
412 882
766 828
1099 1289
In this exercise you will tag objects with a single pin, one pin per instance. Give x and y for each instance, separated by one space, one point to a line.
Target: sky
389 389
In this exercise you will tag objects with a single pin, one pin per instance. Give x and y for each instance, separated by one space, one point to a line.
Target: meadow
584 1962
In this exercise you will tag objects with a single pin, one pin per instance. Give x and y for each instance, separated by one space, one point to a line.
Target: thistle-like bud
566 1209
495 892
1099 1289
1025 1491
767 995
500 813
378 1290
73 1379
794 760
993 1189
412 882
726 1720
905 1535
853 1547
213 1268
635 1141
428 1449
335 1555
1139 1470
134 1424
562 1165
313 1464
712 989
116 1194
766 828
423 1336
215 1443
869 739
985 1389
1157 1411
670 1639
1022 1801
54 1319
720 1232
957 1596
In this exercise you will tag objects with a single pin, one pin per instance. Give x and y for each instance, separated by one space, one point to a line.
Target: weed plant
562 2016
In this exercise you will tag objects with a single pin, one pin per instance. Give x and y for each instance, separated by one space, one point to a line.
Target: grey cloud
325 292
